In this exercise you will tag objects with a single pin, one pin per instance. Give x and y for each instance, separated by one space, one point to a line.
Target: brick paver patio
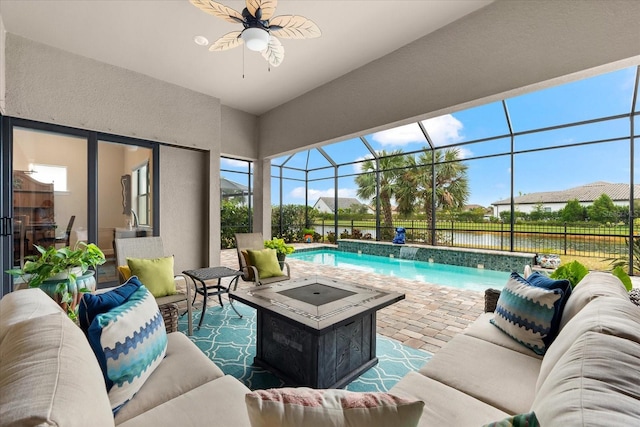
426 319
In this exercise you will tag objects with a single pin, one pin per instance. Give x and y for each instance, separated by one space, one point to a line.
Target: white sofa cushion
216 403
593 285
595 383
183 361
502 378
605 315
22 305
444 405
49 375
484 330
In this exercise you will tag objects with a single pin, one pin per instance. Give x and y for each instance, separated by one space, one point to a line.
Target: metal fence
590 240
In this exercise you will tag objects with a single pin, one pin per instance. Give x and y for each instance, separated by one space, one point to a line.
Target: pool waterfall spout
408 252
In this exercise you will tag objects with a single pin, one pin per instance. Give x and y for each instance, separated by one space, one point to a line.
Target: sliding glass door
63 185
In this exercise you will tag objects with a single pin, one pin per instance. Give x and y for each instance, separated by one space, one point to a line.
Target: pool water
475 279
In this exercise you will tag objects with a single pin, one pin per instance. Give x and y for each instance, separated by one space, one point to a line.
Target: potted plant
308 234
62 273
282 249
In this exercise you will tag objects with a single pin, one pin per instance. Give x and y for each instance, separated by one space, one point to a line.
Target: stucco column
262 197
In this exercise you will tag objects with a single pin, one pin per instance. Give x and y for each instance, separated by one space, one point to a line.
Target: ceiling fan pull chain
243 62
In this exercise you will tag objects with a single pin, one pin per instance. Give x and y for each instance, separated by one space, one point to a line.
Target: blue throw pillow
526 312
542 281
129 342
93 304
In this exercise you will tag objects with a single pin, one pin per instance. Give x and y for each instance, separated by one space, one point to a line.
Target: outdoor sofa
588 376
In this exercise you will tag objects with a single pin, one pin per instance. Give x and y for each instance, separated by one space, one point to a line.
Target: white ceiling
155 38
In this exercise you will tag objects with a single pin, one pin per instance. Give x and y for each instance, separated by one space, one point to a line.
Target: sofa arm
491 300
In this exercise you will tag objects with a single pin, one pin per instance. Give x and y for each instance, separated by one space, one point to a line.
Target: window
50 174
140 193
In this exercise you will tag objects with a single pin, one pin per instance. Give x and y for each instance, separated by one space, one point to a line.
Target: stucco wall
183 225
506 48
239 134
54 86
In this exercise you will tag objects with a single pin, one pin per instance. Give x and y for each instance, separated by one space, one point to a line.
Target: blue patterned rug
230 342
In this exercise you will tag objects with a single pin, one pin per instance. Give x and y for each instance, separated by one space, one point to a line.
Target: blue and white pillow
526 312
93 304
129 341
542 281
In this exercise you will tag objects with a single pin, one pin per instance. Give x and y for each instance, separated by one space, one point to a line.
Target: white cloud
233 162
298 193
464 153
400 136
357 167
444 130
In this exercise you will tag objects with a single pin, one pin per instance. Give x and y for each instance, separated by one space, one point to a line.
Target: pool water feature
475 279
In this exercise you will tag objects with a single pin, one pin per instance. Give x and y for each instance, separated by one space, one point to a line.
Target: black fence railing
590 240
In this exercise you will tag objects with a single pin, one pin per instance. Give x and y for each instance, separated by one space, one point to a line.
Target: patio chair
151 247
255 241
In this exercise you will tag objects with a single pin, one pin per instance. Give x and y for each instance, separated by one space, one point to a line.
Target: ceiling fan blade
226 42
274 53
294 27
267 8
219 10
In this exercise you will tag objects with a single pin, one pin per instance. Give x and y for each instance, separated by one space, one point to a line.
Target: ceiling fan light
255 38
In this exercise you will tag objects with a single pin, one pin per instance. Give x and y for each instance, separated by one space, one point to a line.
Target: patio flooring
426 319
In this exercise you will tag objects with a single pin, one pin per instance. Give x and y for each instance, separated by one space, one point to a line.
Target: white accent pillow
302 406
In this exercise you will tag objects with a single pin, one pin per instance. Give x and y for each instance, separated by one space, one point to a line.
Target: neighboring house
556 200
230 189
327 204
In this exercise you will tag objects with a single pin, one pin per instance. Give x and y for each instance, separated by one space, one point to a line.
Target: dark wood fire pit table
316 332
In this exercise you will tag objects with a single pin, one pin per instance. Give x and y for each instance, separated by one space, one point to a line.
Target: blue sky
605 95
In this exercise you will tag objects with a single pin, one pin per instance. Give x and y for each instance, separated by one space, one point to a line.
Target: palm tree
451 183
389 174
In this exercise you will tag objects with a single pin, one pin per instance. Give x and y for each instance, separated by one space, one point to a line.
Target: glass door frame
7 124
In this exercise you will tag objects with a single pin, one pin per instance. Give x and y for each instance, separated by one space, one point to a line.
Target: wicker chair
151 247
247 241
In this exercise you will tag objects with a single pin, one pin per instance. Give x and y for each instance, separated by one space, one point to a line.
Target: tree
451 183
573 211
389 179
602 210
538 213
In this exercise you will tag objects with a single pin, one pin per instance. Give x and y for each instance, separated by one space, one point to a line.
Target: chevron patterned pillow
129 341
526 312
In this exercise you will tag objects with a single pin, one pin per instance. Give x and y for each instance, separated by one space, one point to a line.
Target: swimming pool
439 274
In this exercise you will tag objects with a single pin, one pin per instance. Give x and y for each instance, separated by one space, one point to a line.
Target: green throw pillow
155 274
266 262
520 420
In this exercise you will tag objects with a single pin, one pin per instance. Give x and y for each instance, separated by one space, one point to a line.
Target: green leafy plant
279 245
66 261
574 272
623 260
623 276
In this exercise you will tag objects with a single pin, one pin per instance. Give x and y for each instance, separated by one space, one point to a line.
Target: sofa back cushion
605 315
49 375
22 305
595 383
593 285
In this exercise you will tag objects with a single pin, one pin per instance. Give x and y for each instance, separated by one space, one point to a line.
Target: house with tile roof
327 204
556 200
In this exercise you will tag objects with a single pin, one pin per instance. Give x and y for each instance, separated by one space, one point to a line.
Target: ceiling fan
260 27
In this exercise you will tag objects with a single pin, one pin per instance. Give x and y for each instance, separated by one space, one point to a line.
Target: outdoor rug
230 342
